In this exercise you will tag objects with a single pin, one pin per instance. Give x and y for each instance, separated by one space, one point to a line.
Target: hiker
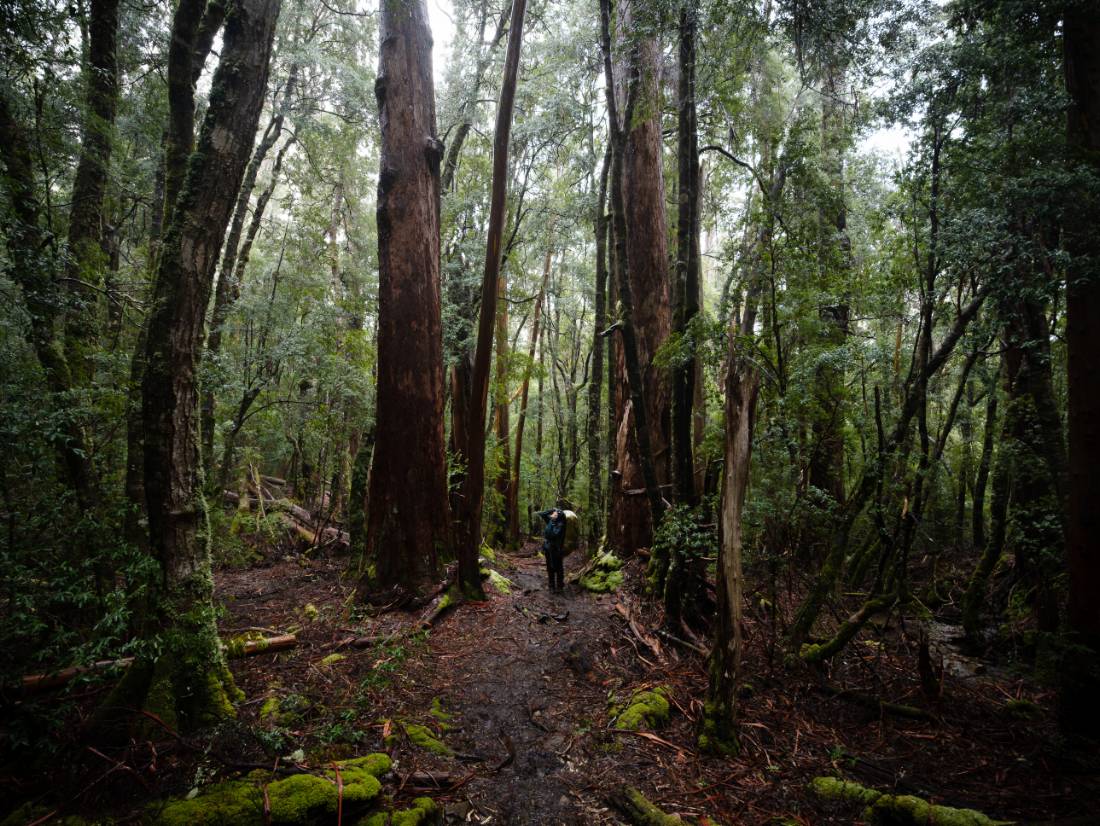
553 547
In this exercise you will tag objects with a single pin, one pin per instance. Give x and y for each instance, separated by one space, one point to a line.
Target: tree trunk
228 288
513 490
87 258
595 388
407 511
501 408
637 197
686 305
473 493
1081 682
981 479
189 686
718 728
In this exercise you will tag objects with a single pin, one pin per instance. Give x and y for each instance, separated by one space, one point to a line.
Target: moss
898 810
332 659
1021 709
906 810
270 708
500 582
311 611
488 553
424 810
716 736
833 788
605 576
422 736
437 710
645 710
235 801
644 813
298 799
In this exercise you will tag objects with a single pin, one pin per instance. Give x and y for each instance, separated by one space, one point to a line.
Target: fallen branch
35 683
652 643
638 810
875 704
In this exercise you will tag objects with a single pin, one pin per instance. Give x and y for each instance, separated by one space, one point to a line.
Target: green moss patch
298 799
424 810
605 574
898 810
422 737
500 582
645 710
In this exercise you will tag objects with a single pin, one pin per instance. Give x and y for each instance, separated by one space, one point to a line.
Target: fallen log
875 704
638 810
36 683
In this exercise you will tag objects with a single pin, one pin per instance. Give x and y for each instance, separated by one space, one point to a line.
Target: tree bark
407 512
469 575
228 288
742 386
189 685
595 388
686 305
521 420
1081 51
87 254
637 198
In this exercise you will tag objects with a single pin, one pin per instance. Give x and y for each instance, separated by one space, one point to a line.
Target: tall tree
1081 55
686 292
87 254
641 407
407 524
473 453
188 685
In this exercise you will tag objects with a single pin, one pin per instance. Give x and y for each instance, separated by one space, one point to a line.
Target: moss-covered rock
898 810
605 574
298 799
424 811
500 582
645 710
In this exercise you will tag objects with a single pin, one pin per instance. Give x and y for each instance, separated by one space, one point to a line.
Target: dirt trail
525 673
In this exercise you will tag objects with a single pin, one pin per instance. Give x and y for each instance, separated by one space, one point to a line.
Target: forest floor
500 712
514 694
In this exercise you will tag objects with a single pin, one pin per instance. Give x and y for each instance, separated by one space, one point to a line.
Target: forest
330 328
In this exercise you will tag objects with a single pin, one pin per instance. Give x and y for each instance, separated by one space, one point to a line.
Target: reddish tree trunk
407 521
630 525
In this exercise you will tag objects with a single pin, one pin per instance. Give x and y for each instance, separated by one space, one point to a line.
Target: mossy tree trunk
407 512
189 681
87 260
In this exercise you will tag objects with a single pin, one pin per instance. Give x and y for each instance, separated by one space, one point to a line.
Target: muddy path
516 688
525 681
506 701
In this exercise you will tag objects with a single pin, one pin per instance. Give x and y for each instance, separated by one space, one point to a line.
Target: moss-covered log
639 811
819 652
898 810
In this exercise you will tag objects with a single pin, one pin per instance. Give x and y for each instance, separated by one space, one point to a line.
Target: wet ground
525 678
